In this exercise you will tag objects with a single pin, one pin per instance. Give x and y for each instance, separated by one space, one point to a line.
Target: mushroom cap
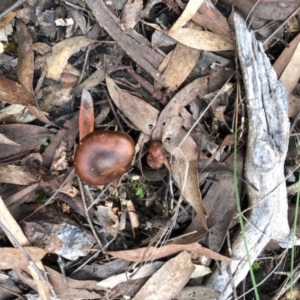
103 156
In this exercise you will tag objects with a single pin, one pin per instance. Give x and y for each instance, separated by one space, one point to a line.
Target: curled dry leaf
86 115
61 52
156 155
145 120
189 11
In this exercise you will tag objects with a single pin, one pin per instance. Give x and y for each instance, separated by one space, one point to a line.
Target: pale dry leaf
61 52
153 253
173 276
188 13
185 174
182 61
14 258
202 40
145 119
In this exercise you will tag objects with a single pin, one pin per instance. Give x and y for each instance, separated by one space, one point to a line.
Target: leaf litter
90 66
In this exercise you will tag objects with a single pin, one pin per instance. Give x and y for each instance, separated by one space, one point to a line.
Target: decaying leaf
14 93
61 53
152 253
145 120
86 115
14 258
173 276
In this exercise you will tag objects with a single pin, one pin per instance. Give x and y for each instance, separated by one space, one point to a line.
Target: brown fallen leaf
14 258
152 253
173 276
14 93
86 115
145 120
25 67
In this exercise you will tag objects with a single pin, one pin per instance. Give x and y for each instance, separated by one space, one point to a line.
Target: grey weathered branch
268 133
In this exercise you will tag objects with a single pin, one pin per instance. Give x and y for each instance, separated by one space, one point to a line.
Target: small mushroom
156 155
103 156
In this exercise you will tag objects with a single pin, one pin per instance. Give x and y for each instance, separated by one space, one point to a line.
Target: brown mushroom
156 155
103 156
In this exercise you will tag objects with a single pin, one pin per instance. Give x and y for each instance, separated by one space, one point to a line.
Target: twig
87 215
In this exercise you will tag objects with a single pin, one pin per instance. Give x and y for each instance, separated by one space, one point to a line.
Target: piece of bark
146 57
268 132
